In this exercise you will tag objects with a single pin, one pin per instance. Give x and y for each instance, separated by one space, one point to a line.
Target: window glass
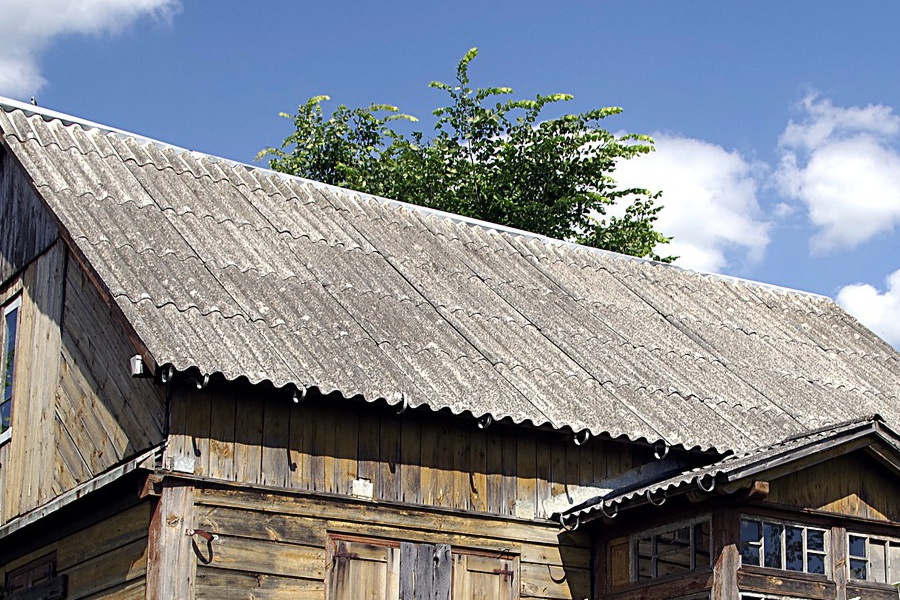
874 558
671 551
751 541
10 327
784 546
772 533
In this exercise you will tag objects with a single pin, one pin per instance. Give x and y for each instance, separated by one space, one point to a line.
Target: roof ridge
9 105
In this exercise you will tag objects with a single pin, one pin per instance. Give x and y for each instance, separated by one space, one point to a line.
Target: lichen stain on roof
237 270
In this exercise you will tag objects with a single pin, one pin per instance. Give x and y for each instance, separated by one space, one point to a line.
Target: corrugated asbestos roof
237 270
736 467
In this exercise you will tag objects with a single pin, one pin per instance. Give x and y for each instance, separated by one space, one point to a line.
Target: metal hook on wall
581 438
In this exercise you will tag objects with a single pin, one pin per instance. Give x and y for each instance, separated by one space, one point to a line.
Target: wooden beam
171 563
726 526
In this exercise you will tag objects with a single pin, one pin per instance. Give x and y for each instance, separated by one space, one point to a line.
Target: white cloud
28 26
879 312
843 164
709 201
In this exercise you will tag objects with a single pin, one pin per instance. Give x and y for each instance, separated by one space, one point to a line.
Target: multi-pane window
8 361
783 546
668 551
874 558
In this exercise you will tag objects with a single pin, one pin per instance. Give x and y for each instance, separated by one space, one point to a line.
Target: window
783 546
37 579
874 558
389 570
671 550
10 326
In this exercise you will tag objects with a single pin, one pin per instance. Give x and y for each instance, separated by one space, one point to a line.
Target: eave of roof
736 469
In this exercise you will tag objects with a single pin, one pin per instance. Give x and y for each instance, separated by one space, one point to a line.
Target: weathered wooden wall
105 560
27 229
273 546
27 475
243 434
103 415
854 485
76 410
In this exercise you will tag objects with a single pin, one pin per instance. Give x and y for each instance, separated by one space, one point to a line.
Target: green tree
488 158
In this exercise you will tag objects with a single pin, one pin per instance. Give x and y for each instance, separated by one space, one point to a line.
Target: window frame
784 525
12 305
888 541
691 524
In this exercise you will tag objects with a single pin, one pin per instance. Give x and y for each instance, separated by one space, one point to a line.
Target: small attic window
8 361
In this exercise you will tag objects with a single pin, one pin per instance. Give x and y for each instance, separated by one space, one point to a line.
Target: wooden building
223 382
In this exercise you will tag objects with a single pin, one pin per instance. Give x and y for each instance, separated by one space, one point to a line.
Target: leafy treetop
488 158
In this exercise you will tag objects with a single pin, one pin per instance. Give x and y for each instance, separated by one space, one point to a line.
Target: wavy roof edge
9 104
733 468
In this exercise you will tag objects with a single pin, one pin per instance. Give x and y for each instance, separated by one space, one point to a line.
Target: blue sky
777 127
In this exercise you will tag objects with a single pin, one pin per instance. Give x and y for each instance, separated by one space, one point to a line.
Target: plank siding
28 477
104 560
323 444
854 485
28 230
276 544
102 415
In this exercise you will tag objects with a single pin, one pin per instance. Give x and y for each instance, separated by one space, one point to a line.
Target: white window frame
824 553
888 543
14 304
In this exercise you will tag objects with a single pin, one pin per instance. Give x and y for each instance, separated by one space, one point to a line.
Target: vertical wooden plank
601 459
248 431
221 436
275 453
838 561
586 463
171 564
543 475
197 423
302 448
369 445
557 468
478 479
431 459
526 474
46 293
179 454
390 476
346 429
494 470
442 566
444 479
508 481
319 449
411 452
408 564
461 439
726 524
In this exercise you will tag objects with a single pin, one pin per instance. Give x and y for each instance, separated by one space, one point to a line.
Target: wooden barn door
477 577
361 570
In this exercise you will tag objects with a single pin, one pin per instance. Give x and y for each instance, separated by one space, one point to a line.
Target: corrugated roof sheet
735 467
237 270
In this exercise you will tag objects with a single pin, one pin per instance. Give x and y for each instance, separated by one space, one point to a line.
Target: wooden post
171 564
726 524
838 561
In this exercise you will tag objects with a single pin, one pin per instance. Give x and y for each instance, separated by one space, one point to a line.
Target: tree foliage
489 158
